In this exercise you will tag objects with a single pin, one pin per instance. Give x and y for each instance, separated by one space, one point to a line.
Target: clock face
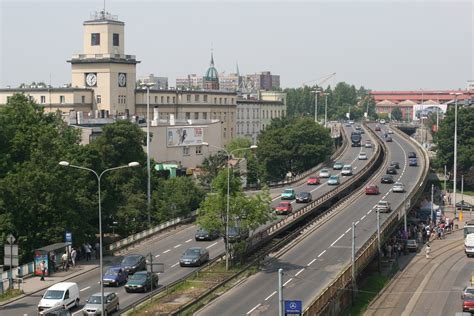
91 79
122 79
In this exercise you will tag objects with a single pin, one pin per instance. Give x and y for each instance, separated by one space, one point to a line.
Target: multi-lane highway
314 262
168 249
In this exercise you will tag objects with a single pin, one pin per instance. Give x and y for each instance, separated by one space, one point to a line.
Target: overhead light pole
99 177
316 93
456 94
148 85
228 195
326 110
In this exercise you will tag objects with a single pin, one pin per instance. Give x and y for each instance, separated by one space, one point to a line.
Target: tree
211 166
397 114
238 143
292 146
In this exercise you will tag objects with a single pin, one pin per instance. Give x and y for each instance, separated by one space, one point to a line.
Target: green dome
211 74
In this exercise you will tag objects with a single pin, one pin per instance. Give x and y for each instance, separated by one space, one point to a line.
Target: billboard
184 136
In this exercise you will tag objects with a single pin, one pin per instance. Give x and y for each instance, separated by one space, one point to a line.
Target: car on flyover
395 164
377 128
194 256
346 170
372 190
334 180
391 170
324 173
133 262
412 162
304 197
389 131
388 139
337 166
203 234
412 245
368 144
313 180
115 276
283 208
411 154
383 206
362 156
387 178
398 187
468 304
94 304
142 281
468 291
288 194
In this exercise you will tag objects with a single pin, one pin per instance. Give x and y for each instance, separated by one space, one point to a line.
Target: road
315 261
168 250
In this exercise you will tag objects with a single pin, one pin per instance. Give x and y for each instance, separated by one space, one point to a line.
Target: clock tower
104 67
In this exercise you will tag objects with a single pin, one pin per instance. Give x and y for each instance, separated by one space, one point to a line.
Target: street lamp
326 110
130 165
455 144
316 93
147 85
228 196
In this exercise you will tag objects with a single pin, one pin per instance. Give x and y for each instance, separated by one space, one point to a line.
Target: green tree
397 114
211 167
238 143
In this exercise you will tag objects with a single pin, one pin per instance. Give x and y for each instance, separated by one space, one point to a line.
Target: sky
381 45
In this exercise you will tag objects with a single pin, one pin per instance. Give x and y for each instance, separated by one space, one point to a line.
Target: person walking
43 269
97 250
87 249
73 257
428 251
64 262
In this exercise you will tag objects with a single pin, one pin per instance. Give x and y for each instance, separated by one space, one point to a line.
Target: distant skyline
381 45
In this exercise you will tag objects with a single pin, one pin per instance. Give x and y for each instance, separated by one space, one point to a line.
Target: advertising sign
293 307
39 257
184 136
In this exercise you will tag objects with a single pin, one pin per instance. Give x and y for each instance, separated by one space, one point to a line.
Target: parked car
236 234
334 180
388 139
304 197
94 304
368 144
194 256
383 207
115 276
391 170
468 304
346 170
398 187
283 208
324 173
142 281
395 164
411 154
464 205
62 293
372 189
387 179
412 162
362 156
412 245
288 194
313 180
133 263
337 166
202 234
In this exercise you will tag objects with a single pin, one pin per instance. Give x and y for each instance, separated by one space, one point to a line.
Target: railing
366 253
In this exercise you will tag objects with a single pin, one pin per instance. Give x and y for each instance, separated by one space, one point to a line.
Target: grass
371 287
9 294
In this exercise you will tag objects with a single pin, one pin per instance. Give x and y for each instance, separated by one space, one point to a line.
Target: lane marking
335 241
289 280
166 251
179 245
311 262
157 256
268 297
348 230
357 223
362 218
297 273
256 306
174 265
86 288
211 245
188 240
322 253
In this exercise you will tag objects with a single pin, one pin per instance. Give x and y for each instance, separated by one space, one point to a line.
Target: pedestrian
97 250
43 270
73 257
428 250
64 259
87 250
53 261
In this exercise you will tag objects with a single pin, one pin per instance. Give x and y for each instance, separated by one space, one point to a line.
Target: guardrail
321 304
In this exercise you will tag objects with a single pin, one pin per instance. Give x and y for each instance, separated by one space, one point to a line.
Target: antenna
104 6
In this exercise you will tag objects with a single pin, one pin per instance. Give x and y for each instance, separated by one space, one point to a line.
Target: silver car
398 187
94 307
324 173
362 156
383 207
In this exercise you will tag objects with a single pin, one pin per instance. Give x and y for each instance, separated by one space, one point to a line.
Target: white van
64 294
469 245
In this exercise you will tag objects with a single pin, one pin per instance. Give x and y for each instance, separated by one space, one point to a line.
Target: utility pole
326 111
455 146
316 94
432 189
280 292
354 285
445 175
378 242
405 213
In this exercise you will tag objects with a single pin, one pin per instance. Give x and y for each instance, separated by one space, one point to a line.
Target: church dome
211 74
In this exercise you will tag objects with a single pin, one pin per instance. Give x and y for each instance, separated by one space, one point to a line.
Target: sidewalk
33 284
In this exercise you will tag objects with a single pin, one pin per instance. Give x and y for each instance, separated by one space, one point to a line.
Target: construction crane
319 82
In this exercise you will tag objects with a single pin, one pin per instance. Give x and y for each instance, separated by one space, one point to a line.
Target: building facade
191 81
159 82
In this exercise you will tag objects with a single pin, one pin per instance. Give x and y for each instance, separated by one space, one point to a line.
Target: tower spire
237 68
212 57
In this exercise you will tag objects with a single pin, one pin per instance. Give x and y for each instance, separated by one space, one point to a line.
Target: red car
372 189
284 208
377 128
313 180
468 304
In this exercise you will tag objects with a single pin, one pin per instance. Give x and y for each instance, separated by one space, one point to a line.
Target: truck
355 139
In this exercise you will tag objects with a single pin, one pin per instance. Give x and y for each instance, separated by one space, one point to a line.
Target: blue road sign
68 237
293 307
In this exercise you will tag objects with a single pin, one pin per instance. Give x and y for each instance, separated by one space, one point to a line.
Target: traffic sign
68 237
11 239
293 307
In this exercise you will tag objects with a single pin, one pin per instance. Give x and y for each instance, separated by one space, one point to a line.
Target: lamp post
316 93
99 177
326 110
147 85
228 196
455 145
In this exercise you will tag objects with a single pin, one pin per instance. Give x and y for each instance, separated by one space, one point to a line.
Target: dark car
388 138
115 276
464 205
133 263
141 281
194 256
395 164
412 245
411 154
391 170
202 234
387 179
304 197
237 234
412 162
377 128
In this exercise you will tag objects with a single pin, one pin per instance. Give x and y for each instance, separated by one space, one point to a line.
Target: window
99 98
248 127
225 100
188 98
232 101
188 115
214 114
168 99
185 151
196 98
220 100
225 132
116 39
198 150
156 99
204 115
8 99
225 116
205 98
174 98
162 99
215 100
83 99
231 132
43 99
248 113
196 115
95 39
231 116
61 99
